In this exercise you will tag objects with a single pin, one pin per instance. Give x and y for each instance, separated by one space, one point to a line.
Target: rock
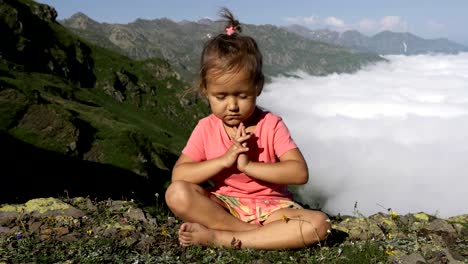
70 237
360 229
443 257
45 12
146 243
116 230
136 214
52 124
5 230
43 207
414 258
34 226
84 204
421 217
385 222
171 221
461 219
8 217
441 228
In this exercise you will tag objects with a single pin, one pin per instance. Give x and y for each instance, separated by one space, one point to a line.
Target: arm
196 172
291 169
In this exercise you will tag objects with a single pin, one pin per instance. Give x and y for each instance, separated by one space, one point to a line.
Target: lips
233 118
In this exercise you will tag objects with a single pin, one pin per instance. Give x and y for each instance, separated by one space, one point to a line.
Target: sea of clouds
393 135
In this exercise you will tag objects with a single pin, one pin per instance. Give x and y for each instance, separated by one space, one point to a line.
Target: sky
425 18
393 135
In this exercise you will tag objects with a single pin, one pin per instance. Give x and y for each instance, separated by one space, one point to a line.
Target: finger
238 130
244 138
232 133
239 148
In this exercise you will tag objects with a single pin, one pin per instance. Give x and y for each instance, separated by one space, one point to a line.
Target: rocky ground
81 230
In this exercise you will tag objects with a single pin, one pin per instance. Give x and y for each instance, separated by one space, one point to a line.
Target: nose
232 104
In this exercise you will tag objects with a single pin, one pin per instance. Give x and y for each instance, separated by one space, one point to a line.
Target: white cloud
367 25
311 20
393 135
334 22
393 23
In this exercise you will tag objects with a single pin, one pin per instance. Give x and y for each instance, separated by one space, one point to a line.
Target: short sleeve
195 147
282 139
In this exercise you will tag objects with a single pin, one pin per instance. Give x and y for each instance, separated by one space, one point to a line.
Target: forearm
285 172
197 172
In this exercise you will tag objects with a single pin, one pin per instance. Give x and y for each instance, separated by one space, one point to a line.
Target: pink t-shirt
271 139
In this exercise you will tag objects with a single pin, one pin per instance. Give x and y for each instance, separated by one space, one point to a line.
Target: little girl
248 155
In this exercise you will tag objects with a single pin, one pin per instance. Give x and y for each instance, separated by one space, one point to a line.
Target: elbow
175 175
302 177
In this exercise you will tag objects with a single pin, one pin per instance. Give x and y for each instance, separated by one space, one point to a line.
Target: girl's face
232 97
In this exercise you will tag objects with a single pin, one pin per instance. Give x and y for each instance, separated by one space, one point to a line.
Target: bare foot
195 234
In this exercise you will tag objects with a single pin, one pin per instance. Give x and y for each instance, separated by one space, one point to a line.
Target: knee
178 195
319 228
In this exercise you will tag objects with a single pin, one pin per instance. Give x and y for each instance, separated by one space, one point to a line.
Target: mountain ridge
385 42
181 43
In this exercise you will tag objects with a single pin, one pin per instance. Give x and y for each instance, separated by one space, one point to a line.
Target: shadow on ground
28 172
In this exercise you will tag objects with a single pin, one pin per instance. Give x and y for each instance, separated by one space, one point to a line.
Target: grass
107 234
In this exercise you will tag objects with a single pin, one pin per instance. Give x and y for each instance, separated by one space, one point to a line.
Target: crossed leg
208 223
193 204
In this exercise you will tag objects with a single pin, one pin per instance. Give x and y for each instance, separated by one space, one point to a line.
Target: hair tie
230 30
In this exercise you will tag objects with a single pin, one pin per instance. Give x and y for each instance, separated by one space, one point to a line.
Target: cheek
249 102
215 104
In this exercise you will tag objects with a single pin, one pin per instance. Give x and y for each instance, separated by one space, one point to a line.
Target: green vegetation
82 230
62 98
121 232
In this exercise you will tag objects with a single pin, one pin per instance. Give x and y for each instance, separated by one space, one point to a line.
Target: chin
232 123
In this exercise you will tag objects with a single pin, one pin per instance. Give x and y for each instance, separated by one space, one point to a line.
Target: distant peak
79 15
79 20
204 21
297 26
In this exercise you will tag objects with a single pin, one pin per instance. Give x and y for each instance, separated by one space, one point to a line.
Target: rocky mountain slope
77 118
385 42
181 44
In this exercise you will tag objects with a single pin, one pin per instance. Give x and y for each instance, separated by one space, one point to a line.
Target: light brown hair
231 53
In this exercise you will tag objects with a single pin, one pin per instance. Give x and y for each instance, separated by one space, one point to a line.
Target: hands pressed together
238 152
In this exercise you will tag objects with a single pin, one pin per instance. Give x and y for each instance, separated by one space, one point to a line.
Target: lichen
120 226
460 219
421 216
11 208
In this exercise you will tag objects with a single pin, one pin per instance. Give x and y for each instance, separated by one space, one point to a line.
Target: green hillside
88 117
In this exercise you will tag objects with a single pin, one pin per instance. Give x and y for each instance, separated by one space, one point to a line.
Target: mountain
81 119
385 42
181 44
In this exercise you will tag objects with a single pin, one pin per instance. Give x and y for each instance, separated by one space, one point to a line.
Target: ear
260 87
204 91
202 88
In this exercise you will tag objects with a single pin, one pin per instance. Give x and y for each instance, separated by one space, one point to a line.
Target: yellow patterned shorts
254 211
